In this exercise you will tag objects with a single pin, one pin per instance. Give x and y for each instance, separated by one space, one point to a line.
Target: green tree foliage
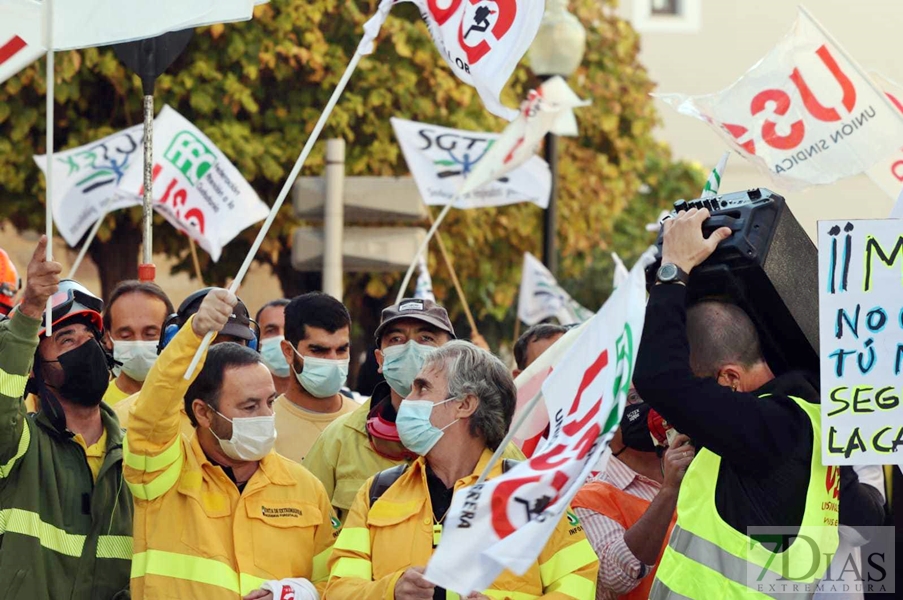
257 88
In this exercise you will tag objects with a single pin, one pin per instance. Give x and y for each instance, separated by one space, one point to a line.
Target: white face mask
136 357
252 437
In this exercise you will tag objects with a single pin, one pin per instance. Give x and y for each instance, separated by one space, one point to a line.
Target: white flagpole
48 198
91 235
296 170
422 249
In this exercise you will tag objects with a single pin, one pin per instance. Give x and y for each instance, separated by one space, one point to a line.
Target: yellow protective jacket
195 535
379 543
343 459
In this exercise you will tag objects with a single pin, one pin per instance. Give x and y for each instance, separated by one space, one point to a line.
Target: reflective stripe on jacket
379 542
62 535
707 558
196 536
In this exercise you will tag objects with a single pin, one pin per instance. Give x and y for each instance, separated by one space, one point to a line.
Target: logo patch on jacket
574 523
280 512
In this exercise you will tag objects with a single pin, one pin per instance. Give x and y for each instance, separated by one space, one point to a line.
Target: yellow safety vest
707 558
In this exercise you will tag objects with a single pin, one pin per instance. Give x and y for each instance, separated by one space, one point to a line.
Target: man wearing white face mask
271 321
132 320
220 515
317 348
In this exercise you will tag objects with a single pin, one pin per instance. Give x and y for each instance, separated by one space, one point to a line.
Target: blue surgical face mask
402 363
272 356
417 432
321 377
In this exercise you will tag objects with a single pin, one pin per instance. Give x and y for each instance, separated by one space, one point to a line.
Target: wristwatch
671 273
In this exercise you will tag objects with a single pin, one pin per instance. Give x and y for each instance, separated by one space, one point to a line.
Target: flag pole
454 277
296 170
422 249
91 235
48 198
515 427
194 259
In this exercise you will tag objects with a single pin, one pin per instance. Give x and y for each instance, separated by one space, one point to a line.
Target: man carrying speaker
757 439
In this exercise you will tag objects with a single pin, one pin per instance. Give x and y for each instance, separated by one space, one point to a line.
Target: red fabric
626 509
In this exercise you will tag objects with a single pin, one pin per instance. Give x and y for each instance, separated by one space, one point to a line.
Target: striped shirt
619 570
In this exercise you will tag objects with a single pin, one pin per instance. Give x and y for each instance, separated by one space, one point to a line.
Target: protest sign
805 114
481 40
542 298
441 158
505 522
88 176
196 188
861 333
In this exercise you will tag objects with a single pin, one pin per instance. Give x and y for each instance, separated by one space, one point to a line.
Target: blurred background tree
257 88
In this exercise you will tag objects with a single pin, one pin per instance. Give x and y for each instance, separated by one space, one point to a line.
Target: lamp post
557 50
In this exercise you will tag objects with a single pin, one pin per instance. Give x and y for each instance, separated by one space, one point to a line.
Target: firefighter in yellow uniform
220 515
459 410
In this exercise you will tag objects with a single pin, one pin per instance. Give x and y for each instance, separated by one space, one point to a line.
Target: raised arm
18 343
154 454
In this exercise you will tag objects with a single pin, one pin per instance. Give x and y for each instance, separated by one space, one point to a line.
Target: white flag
21 37
85 178
621 272
549 108
196 188
481 40
713 183
441 158
888 173
88 23
542 298
805 114
424 288
505 522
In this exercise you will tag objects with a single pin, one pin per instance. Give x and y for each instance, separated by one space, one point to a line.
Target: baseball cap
239 324
419 309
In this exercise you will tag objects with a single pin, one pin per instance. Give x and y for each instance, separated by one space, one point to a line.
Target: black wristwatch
671 273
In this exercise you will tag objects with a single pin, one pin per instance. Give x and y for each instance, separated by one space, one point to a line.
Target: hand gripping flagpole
296 170
48 198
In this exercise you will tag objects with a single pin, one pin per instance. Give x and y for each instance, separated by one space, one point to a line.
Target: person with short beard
65 513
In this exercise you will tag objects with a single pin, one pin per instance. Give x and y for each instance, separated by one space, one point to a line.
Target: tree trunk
117 258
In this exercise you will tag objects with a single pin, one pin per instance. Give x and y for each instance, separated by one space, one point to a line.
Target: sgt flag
506 522
481 40
196 188
805 114
85 178
441 158
542 298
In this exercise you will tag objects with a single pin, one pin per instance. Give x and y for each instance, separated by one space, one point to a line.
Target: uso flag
805 114
506 522
481 40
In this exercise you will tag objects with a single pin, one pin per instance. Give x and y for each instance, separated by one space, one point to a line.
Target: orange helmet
10 283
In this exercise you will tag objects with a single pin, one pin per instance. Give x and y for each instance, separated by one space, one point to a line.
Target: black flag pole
149 58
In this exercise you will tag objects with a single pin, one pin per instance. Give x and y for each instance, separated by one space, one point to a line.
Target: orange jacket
626 509
195 535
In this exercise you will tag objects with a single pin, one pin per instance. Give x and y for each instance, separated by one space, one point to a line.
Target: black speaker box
769 267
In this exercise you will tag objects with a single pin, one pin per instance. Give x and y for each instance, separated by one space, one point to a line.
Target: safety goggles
7 289
67 301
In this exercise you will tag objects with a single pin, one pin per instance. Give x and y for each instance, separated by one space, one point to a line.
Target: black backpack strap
384 480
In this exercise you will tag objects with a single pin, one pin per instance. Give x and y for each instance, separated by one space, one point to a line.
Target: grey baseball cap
419 309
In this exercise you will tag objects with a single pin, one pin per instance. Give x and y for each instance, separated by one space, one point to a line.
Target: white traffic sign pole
334 218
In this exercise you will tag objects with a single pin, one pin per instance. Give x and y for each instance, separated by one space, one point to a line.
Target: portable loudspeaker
769 267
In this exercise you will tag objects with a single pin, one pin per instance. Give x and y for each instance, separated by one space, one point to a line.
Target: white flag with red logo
21 36
805 114
888 173
196 188
549 108
505 522
481 40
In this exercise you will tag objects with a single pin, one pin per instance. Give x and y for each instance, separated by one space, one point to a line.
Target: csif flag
805 114
481 40
196 187
542 298
506 522
713 183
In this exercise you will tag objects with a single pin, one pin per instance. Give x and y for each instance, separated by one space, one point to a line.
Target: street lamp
557 50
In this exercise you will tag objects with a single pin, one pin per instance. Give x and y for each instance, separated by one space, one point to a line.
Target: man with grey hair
460 408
